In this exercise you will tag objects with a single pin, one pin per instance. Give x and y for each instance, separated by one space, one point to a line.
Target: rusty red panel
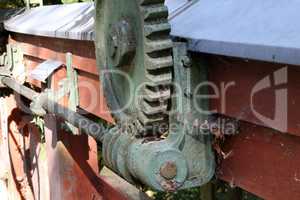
73 166
26 155
90 95
71 162
264 162
55 48
240 77
90 98
18 181
65 167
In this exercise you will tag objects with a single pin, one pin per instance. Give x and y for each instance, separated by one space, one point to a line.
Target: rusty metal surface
90 96
264 162
72 170
23 178
55 48
65 167
34 166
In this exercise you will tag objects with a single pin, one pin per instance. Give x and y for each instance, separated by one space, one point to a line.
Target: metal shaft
86 125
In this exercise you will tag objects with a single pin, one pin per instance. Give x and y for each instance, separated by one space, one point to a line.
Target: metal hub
168 170
121 44
134 54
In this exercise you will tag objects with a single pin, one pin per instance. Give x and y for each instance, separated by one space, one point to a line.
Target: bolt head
186 60
121 43
168 170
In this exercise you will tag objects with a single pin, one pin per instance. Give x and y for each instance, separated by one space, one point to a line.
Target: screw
114 45
115 41
168 170
186 61
187 93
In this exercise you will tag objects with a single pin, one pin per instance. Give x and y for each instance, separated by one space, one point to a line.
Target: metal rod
20 89
96 130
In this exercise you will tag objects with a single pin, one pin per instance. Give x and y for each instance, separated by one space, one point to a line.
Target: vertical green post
73 88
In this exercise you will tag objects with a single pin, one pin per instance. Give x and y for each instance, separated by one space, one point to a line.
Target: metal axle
89 127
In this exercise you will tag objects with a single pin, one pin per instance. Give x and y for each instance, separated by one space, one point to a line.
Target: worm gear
134 54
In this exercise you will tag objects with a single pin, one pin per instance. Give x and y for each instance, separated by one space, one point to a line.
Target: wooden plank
54 48
130 191
26 159
72 164
236 79
264 162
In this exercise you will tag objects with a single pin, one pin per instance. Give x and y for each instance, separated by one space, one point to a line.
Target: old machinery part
12 75
134 54
185 158
47 104
11 63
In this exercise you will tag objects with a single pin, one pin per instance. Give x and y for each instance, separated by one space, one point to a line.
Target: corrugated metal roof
263 30
72 21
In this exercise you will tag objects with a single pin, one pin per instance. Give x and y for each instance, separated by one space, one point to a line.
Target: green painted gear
133 37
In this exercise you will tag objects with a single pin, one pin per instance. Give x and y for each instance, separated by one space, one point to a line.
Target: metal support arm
89 127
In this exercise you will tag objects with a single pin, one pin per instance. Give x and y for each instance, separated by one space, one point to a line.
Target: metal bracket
67 86
36 105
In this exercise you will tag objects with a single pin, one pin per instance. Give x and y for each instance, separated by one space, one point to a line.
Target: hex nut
168 170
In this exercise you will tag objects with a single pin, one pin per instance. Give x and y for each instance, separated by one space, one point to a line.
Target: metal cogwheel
133 43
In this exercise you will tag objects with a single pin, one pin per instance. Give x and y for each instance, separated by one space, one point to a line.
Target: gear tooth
139 126
150 29
158 45
146 120
154 12
158 63
161 80
154 109
160 95
157 67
